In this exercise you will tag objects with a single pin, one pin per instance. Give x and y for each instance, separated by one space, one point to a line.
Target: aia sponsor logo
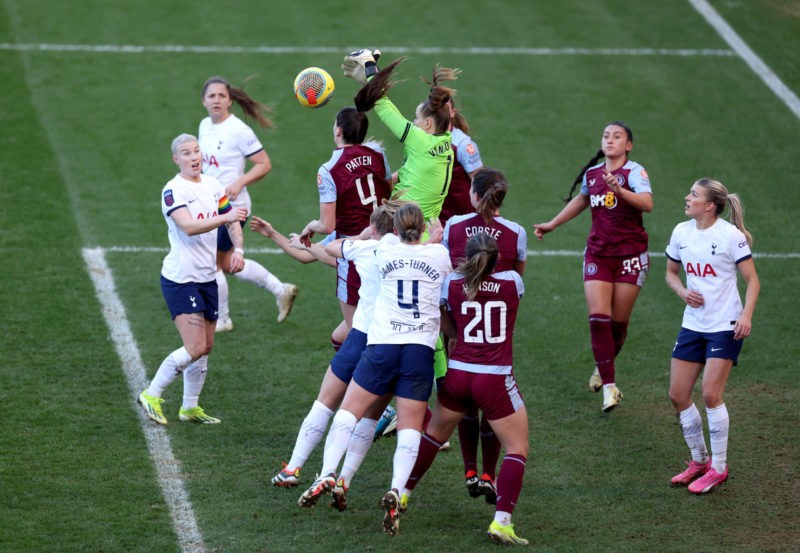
700 270
210 160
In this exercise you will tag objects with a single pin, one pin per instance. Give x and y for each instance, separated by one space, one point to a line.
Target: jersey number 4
480 329
372 198
402 300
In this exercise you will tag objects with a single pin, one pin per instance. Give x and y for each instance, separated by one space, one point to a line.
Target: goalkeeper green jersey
427 160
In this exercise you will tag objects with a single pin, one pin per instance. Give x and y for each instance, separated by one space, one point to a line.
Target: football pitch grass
94 92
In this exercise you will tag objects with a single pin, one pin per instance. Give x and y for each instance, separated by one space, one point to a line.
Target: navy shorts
406 370
191 297
696 347
224 243
344 362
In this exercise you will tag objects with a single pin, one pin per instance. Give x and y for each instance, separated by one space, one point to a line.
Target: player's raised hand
361 64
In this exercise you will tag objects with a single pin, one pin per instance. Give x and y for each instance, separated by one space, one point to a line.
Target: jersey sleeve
740 249
468 155
444 294
414 138
638 180
446 234
325 186
357 249
522 244
247 142
584 186
673 248
172 198
520 284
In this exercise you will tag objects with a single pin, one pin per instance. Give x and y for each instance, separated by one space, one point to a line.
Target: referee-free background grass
84 152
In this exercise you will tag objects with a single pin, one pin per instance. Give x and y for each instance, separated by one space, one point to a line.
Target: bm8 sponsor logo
608 200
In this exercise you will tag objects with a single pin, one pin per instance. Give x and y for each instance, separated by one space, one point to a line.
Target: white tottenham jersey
362 253
407 306
191 258
225 147
709 258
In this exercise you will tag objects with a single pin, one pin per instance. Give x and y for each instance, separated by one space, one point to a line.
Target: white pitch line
167 468
477 51
783 92
535 253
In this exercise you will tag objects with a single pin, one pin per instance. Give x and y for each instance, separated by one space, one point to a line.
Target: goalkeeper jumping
424 177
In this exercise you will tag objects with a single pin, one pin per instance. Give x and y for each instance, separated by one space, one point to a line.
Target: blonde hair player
398 358
715 323
194 206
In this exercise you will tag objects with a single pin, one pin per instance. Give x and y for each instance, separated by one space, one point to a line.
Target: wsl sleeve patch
169 199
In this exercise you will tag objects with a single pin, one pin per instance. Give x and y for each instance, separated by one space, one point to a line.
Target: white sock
170 368
193 379
718 425
342 426
692 428
311 432
357 449
258 274
405 455
503 518
223 311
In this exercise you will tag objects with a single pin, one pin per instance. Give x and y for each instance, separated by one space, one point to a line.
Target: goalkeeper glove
361 64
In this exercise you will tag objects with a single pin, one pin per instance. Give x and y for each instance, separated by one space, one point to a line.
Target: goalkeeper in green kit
424 177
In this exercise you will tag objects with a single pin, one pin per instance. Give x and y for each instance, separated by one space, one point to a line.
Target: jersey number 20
480 329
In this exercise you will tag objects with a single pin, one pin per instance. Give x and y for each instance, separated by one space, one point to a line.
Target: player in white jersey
399 355
227 143
340 370
715 322
194 206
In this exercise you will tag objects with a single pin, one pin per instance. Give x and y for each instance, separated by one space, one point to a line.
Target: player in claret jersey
351 185
467 162
486 193
480 310
616 260
715 323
